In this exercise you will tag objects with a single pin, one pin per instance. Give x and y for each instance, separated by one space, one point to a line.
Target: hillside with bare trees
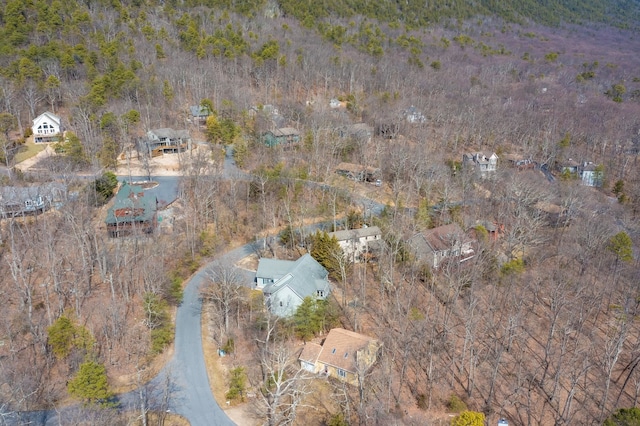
538 327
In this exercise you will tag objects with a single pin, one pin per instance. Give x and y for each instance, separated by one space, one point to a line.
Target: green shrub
514 266
455 404
230 346
161 337
237 384
469 418
104 187
624 417
175 292
90 384
64 336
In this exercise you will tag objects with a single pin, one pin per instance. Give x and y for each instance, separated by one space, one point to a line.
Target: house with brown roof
344 355
553 214
442 243
519 162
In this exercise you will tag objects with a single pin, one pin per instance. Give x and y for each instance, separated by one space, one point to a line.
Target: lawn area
28 150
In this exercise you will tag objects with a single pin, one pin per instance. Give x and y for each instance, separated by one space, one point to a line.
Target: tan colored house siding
343 355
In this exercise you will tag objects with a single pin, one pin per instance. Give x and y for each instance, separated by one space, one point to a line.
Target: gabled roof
131 205
305 278
339 349
10 195
480 157
286 131
273 268
569 163
354 234
440 238
549 207
49 116
170 133
357 129
310 352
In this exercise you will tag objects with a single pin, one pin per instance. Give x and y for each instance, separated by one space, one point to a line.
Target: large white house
46 128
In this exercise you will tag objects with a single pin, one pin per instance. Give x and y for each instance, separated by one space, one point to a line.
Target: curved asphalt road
182 386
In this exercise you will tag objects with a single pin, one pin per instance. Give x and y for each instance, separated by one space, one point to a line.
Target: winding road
182 386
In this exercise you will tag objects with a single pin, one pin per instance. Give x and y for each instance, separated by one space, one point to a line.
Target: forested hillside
539 327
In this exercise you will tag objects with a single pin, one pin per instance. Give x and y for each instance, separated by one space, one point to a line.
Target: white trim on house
46 128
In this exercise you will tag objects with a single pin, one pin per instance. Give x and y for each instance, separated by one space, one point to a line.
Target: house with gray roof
28 200
355 243
163 141
286 283
199 114
591 174
484 162
284 136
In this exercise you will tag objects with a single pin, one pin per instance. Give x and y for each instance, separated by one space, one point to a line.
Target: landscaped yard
28 150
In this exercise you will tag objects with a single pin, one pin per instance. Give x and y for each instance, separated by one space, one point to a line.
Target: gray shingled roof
274 268
305 278
170 133
50 191
350 234
199 111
